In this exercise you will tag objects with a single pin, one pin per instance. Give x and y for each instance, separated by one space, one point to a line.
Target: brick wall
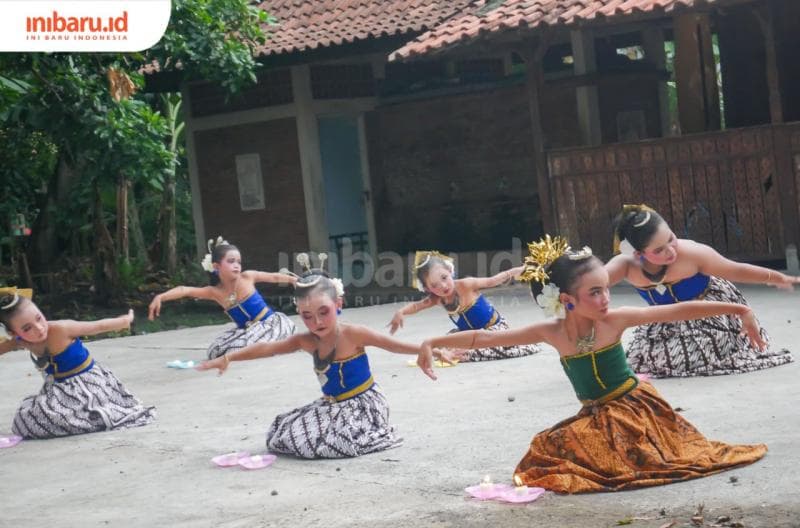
261 234
455 173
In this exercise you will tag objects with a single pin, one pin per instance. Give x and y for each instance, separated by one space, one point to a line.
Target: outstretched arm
255 351
712 263
8 345
480 283
478 339
408 309
178 292
364 336
628 316
86 328
275 278
617 269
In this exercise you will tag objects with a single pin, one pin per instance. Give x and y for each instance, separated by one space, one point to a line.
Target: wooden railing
726 189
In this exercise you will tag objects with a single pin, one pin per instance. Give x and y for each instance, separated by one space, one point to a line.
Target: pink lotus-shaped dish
492 491
257 461
9 441
230 459
527 495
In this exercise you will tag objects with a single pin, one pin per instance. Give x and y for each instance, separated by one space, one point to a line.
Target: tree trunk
44 243
168 235
105 259
122 247
137 236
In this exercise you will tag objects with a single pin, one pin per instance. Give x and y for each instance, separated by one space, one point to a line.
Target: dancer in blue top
665 270
235 291
352 416
466 306
79 395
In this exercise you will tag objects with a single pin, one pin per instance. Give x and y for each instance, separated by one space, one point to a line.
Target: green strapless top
601 375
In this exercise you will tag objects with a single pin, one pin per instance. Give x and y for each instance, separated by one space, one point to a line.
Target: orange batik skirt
634 441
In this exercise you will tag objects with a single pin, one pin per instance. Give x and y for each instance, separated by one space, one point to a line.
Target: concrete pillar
584 62
310 159
653 43
695 74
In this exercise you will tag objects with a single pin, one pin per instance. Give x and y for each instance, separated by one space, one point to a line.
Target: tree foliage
67 139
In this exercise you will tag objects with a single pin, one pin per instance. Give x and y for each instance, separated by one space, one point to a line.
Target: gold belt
364 387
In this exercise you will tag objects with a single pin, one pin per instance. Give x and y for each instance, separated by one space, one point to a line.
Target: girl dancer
625 436
462 298
664 270
235 291
352 416
79 395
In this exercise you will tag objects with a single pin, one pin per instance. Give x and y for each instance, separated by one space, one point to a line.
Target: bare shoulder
691 247
353 330
550 330
465 284
307 341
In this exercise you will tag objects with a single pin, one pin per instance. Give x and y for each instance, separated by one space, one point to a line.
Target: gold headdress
314 275
540 255
627 208
421 258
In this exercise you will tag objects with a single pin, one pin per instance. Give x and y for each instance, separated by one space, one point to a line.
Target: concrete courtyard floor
456 430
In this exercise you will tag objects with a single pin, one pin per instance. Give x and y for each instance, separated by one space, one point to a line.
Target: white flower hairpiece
626 248
207 263
550 303
337 282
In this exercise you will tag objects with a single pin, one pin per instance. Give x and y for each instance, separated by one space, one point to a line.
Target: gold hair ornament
307 282
540 255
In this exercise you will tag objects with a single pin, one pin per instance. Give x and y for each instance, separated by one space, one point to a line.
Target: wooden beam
597 78
764 16
653 42
310 159
587 97
533 53
695 74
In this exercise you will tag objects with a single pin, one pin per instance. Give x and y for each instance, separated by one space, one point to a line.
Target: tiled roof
305 25
484 17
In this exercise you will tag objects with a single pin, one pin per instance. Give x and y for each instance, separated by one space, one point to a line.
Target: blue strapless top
71 361
682 290
481 314
249 311
342 380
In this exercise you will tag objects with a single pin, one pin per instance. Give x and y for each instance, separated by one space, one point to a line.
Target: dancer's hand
128 318
751 329
396 322
154 310
451 356
516 272
221 364
786 282
425 360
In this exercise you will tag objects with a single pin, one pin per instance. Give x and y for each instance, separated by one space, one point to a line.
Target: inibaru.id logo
82 25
